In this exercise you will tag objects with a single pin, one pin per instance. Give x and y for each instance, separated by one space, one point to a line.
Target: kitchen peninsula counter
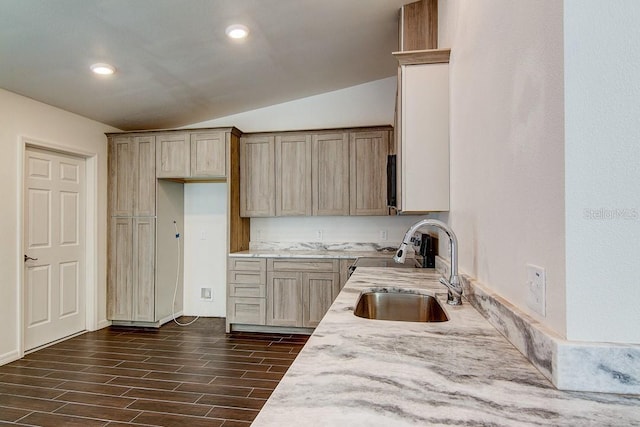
361 372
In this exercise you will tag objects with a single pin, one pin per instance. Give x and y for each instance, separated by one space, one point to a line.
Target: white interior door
54 244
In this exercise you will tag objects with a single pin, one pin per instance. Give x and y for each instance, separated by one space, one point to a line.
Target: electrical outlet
206 294
536 289
382 235
319 235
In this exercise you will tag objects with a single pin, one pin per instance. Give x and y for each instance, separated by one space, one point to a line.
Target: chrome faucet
454 296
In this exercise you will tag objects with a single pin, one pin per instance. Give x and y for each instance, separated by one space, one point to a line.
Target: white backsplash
380 231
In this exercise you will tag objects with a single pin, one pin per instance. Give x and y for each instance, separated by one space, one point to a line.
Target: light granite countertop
361 372
279 253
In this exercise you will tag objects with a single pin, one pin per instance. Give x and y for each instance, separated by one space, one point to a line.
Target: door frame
90 230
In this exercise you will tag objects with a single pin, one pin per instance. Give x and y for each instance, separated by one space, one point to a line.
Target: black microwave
391 181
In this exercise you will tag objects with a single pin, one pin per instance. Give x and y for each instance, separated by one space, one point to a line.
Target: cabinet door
293 175
144 232
208 154
132 176
368 156
318 295
144 199
257 176
344 273
424 138
284 298
121 176
330 174
173 155
120 272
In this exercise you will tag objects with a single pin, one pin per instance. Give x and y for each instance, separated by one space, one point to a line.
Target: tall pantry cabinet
147 172
132 222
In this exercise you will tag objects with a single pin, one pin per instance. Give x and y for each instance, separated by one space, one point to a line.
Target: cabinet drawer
247 310
288 264
247 277
247 264
245 290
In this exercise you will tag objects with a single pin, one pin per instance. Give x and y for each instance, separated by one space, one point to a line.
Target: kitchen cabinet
422 130
257 176
280 292
330 174
142 253
293 174
191 155
131 165
318 293
246 291
173 155
284 298
131 282
299 292
208 155
368 176
344 272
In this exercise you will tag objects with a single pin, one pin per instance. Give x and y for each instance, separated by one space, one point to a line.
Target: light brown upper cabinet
173 155
208 155
132 180
257 176
330 174
293 175
368 156
196 155
422 144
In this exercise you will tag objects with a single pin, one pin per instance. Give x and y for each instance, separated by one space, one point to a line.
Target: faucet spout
454 295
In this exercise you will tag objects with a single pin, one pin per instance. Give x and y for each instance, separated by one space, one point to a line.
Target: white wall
507 160
205 248
22 117
602 93
367 104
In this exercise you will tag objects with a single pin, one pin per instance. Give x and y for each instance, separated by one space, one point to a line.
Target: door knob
28 258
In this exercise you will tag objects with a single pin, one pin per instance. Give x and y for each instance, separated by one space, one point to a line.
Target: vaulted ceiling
175 65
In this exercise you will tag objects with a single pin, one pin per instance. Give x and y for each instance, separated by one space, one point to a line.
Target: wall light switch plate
319 235
536 289
383 235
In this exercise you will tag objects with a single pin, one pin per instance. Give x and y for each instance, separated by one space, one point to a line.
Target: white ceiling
175 64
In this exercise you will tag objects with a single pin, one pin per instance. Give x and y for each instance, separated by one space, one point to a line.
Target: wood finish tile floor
173 376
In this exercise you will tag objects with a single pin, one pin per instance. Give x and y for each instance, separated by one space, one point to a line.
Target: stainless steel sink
401 306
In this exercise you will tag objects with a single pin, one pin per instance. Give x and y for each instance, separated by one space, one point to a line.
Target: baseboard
236 327
103 324
9 357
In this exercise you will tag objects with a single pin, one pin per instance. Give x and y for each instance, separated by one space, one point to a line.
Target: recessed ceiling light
237 31
103 69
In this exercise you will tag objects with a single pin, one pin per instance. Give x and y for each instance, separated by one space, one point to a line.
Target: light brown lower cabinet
246 291
290 293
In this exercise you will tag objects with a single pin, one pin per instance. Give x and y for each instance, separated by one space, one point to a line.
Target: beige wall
507 144
602 93
20 118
